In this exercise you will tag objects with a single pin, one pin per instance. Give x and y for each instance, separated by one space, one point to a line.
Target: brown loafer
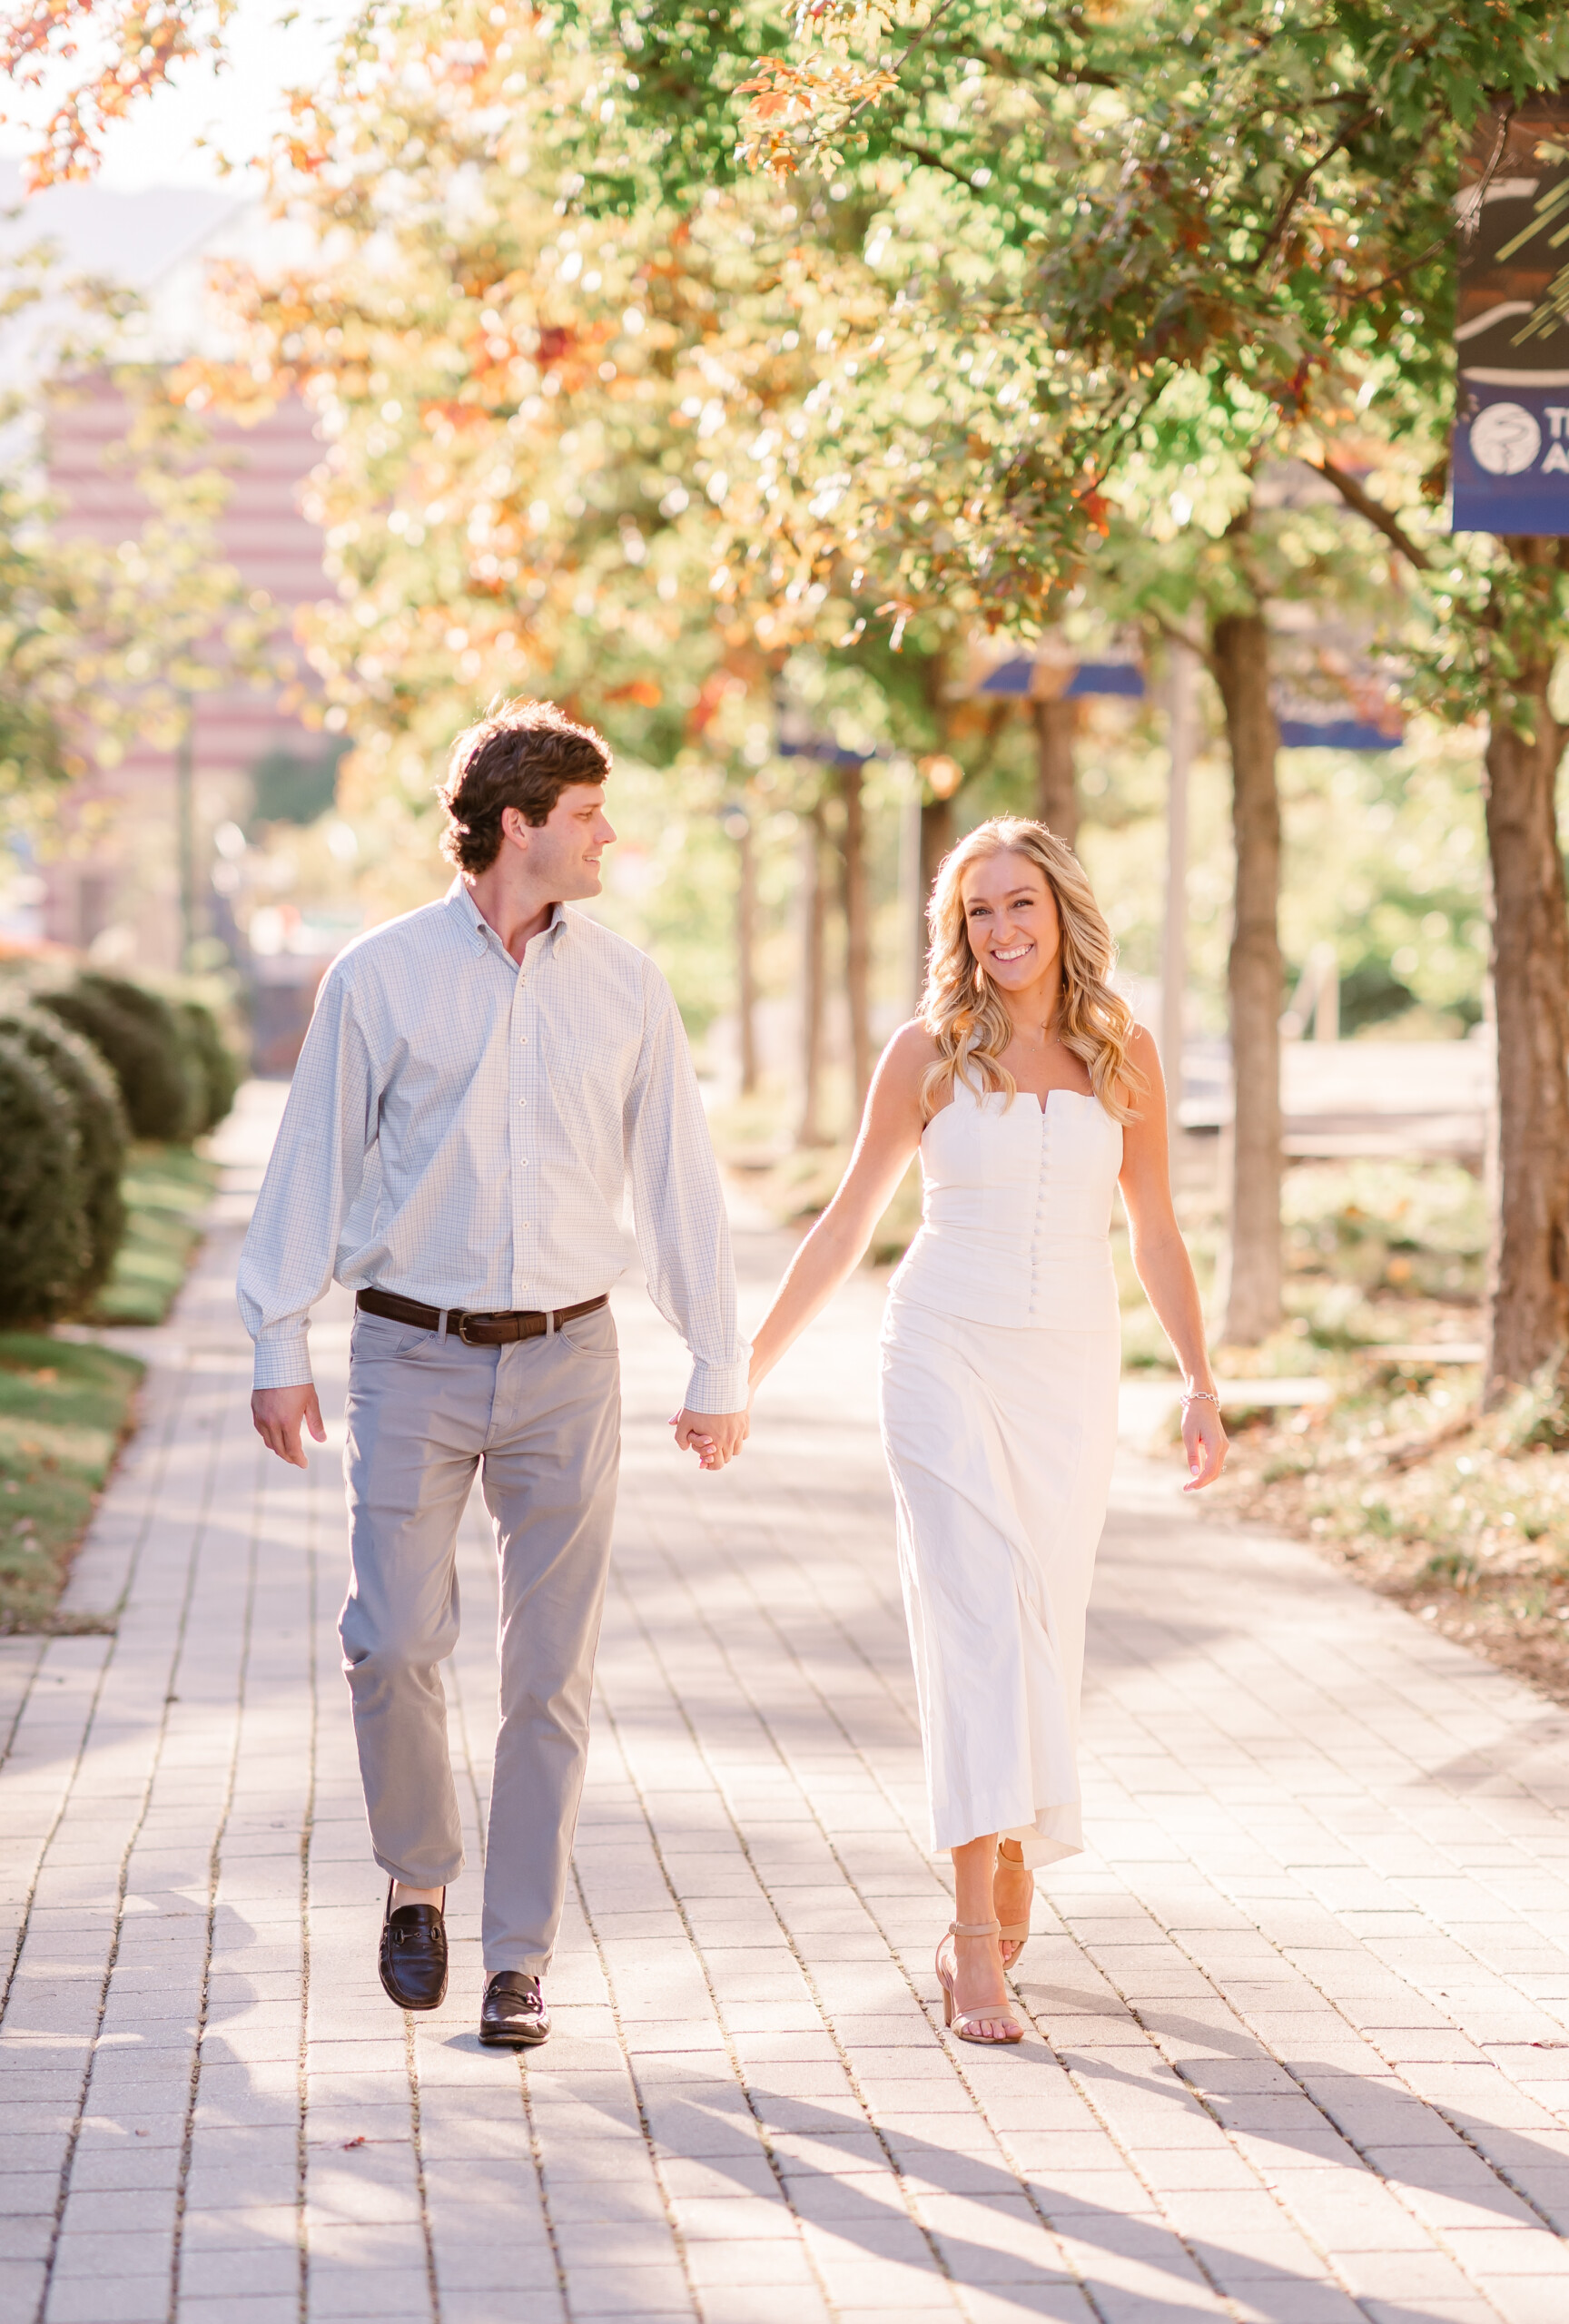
413 1957
513 2014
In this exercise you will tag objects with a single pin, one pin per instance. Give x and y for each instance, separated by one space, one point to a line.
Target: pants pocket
591 1336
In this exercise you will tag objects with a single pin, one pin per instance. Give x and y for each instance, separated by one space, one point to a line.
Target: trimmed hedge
43 1241
146 1048
102 1132
211 1060
83 1067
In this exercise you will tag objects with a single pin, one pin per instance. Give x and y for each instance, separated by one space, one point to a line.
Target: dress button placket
1035 1237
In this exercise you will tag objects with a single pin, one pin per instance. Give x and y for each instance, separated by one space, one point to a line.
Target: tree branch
1384 519
1387 282
918 44
1178 637
932 159
1299 185
1068 77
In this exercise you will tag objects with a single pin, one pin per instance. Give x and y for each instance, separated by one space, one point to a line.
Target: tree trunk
1056 779
813 977
1528 1272
857 931
936 839
1182 728
746 954
1251 1309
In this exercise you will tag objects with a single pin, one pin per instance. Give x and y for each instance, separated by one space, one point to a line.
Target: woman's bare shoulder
903 1063
1144 1069
910 1052
913 1042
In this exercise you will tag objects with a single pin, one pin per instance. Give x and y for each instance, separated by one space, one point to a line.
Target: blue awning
1335 735
1014 678
826 752
1125 679
1009 677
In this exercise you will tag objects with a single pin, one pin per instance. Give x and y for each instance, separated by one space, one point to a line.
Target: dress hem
1038 1847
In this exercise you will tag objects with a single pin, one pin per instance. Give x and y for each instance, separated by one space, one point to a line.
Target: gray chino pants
540 1420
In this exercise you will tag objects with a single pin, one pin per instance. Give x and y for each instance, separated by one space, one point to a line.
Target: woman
1029 1093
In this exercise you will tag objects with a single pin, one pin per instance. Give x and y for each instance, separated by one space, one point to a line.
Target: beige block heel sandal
960 2021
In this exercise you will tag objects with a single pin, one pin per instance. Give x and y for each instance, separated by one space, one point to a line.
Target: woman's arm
889 1134
1161 1263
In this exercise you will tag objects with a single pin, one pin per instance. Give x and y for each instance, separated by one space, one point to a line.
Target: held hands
1204 1442
714 1437
277 1414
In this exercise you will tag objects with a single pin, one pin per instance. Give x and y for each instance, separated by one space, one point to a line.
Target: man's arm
314 1174
683 1232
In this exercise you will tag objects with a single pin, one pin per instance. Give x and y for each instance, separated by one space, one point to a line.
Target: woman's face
1011 918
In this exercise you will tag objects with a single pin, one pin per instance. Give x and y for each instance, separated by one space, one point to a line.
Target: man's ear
515 826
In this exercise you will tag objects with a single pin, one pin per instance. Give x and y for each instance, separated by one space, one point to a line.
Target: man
480 1080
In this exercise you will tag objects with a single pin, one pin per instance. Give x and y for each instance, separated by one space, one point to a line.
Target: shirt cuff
283 1362
717 1388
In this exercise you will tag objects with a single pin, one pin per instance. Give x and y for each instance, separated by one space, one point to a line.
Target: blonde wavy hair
965 1014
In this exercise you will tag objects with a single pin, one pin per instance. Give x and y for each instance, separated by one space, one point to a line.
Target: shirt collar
462 896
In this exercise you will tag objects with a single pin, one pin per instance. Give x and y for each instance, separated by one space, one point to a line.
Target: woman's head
1008 903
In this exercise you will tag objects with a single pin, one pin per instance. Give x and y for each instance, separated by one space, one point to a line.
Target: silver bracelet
1199 1397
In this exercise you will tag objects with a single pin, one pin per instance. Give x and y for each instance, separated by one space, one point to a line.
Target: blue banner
1511 450
1511 457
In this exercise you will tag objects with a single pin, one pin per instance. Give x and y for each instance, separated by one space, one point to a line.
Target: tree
1249 210
1016 255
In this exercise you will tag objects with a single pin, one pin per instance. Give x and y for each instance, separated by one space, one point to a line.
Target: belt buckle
470 1317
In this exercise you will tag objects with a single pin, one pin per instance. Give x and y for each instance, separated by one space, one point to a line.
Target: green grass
167 1189
64 1411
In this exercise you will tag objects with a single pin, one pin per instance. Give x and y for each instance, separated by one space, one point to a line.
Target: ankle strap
974 1928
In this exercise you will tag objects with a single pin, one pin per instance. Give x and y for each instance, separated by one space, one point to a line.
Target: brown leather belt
473 1328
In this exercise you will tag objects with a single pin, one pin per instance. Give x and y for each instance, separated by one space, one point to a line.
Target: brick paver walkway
1300 2019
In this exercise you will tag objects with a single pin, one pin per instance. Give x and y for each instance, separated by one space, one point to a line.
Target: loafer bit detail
514 2014
413 1958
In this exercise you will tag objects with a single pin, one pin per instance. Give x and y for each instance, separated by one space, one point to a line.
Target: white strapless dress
1000 1357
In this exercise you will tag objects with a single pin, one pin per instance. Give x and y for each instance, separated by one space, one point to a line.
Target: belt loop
441 1338
549 1323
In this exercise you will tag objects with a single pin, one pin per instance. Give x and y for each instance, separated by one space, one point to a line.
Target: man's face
563 851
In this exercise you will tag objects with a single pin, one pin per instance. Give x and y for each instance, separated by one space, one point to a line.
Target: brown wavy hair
965 1014
521 755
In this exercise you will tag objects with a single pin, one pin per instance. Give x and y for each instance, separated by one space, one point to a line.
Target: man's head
529 778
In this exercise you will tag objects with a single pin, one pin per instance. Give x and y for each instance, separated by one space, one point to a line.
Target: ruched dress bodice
1016 1211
